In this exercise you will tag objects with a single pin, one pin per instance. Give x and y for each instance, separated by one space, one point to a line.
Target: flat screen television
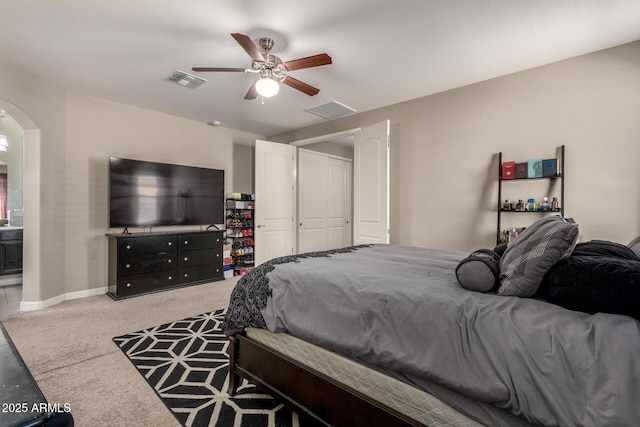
146 194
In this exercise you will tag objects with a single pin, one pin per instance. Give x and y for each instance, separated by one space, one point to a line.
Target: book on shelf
535 168
549 167
508 170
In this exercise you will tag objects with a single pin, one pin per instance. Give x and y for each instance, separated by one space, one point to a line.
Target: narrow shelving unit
559 177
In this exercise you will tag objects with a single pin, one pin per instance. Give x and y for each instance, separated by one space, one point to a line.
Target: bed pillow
479 271
500 248
635 246
594 285
533 253
604 248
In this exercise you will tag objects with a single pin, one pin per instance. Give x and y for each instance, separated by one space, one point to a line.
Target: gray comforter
402 308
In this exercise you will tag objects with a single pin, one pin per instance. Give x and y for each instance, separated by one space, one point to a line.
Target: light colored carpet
69 350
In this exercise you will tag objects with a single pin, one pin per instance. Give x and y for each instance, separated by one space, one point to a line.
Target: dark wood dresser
142 263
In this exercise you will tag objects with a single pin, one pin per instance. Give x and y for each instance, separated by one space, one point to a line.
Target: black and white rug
186 362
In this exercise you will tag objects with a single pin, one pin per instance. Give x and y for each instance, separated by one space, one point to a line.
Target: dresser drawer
145 245
147 263
192 242
11 235
139 283
200 257
200 273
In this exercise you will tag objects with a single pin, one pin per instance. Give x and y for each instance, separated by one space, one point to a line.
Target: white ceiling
383 52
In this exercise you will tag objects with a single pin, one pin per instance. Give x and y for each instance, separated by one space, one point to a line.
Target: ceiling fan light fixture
267 87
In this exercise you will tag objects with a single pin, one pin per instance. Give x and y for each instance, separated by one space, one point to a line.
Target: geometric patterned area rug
186 362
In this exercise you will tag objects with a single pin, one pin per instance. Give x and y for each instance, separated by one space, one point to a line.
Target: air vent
186 79
331 110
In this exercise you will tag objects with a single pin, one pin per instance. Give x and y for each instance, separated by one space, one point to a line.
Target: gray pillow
479 271
635 246
533 253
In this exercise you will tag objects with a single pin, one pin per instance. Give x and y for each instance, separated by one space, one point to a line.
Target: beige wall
443 164
98 129
66 250
41 111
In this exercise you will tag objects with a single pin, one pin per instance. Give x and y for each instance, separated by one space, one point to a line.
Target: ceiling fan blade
235 70
248 46
252 93
308 62
301 86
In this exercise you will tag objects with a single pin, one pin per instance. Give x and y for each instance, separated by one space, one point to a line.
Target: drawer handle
186 275
170 243
217 255
128 285
186 242
128 247
217 240
128 266
169 260
170 277
217 270
186 258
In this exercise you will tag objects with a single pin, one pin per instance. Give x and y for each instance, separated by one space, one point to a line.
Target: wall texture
443 149
78 134
443 167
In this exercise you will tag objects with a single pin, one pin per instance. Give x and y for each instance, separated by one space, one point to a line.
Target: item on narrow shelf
508 170
531 205
521 170
544 206
535 168
550 167
554 205
507 206
520 206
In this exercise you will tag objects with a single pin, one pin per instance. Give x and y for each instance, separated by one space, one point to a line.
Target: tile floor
10 297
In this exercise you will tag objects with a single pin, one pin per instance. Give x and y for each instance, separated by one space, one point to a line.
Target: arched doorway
31 288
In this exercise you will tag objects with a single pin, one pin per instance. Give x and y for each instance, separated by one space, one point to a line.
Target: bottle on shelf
554 205
544 206
531 205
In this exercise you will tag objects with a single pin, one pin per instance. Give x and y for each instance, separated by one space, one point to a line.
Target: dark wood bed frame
315 396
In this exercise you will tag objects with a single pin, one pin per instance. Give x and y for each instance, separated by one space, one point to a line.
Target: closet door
312 201
324 201
339 203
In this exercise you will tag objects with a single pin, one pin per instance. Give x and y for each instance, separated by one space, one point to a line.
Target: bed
386 335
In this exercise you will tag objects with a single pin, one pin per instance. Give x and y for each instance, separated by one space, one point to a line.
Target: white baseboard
39 305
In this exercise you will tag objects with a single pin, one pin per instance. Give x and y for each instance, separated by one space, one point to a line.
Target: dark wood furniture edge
164 288
314 395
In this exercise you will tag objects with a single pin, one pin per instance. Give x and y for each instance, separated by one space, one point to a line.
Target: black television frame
197 204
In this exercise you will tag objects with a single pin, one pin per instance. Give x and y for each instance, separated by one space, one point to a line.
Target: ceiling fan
271 68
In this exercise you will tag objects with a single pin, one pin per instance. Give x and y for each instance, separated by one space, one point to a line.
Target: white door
274 200
371 184
312 203
324 201
339 203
